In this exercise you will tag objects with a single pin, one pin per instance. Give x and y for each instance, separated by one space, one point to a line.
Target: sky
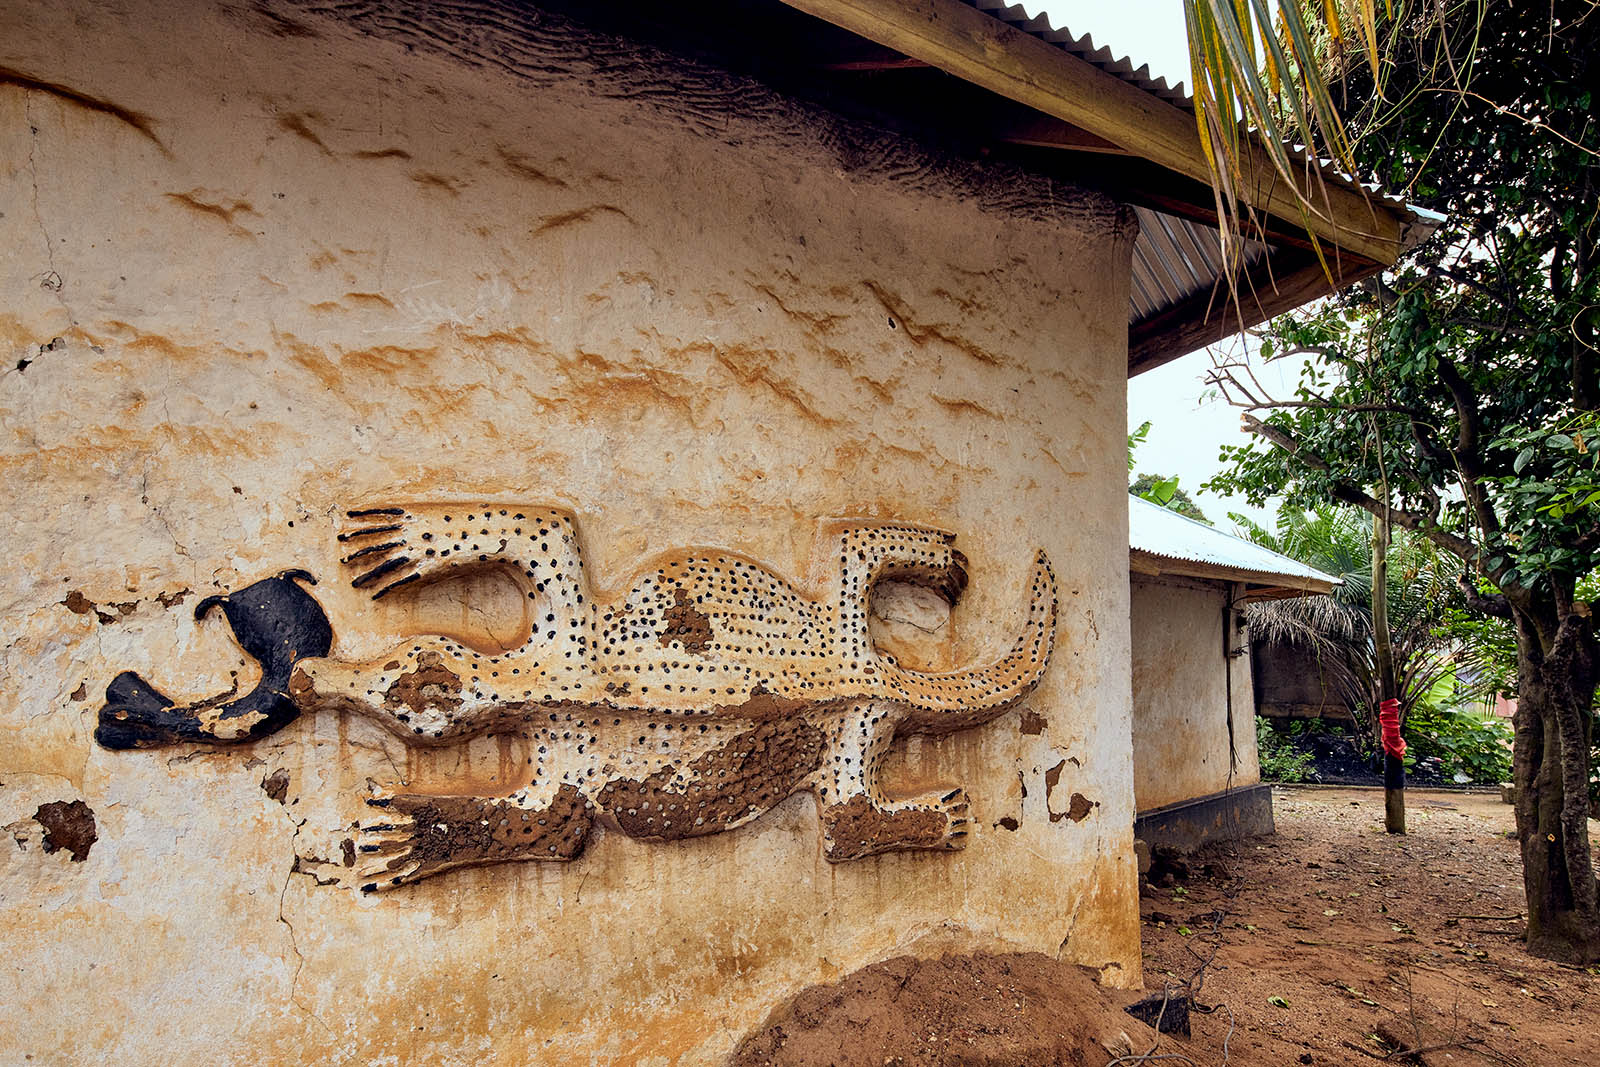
1187 430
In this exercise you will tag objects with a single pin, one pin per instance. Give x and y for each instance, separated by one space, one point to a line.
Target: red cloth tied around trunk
1389 719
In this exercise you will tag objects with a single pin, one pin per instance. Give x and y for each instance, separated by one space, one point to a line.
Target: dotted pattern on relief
701 634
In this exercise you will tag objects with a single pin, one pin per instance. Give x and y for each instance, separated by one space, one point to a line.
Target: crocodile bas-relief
705 694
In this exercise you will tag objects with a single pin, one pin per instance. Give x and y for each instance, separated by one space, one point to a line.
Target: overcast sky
1186 430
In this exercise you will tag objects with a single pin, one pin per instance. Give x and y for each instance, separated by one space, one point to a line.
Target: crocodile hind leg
410 836
857 820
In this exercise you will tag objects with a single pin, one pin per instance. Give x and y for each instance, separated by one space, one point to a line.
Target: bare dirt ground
1330 942
1333 942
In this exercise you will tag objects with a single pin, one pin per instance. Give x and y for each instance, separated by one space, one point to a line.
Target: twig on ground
1402 1053
1365 1052
1463 1042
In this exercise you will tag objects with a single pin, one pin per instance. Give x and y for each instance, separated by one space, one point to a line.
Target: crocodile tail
954 700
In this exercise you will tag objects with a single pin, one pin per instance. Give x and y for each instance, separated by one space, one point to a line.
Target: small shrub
1472 743
1280 760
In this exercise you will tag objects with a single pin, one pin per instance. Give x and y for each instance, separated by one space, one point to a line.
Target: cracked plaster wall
262 266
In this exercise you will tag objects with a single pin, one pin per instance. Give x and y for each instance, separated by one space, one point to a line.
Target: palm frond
1337 630
1259 66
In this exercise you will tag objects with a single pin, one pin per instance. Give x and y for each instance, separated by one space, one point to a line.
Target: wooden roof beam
987 52
1042 131
1280 283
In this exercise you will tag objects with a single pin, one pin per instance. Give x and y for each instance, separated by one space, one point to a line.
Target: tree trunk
1394 767
1550 765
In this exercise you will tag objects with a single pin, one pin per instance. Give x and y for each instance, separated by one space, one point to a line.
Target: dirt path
1334 934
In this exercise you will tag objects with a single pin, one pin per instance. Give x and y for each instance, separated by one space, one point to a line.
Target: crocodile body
705 692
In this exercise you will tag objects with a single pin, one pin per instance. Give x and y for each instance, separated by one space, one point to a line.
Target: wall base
1189 824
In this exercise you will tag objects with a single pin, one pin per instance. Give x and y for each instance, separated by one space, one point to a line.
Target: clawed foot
412 836
859 827
958 818
390 847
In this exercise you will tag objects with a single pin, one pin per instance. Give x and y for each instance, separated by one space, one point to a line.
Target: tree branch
1349 493
1472 323
1443 273
1469 459
1494 604
1353 494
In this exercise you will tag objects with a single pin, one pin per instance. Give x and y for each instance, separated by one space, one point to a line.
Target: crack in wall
891 616
50 279
294 946
294 941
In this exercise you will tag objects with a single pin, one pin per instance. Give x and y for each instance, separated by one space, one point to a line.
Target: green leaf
1278 1002
1522 460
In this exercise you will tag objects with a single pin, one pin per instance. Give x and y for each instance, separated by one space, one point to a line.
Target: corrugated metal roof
1017 16
1175 258
1161 532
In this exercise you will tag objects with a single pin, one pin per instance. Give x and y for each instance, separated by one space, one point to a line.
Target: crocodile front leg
857 820
414 836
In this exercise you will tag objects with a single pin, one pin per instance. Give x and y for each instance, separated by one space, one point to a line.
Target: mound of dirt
975 1011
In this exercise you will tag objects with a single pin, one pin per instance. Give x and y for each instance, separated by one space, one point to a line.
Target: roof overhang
1069 101
1260 585
1162 542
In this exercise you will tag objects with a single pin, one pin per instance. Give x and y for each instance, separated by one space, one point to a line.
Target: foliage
1457 394
1463 739
1135 439
1265 63
1167 493
1466 383
1488 662
1280 760
1155 488
1471 742
1488 652
1337 629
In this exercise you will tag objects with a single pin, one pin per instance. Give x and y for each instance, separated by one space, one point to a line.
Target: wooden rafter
987 52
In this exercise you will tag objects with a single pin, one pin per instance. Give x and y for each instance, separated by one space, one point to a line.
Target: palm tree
1338 629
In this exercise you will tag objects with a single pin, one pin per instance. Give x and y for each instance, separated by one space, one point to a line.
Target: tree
1166 492
1459 396
1488 662
1155 488
1338 630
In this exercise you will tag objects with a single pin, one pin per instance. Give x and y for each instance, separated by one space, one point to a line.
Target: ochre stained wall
265 265
1180 694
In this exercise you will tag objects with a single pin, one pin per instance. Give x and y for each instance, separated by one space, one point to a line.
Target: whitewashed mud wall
265 267
1181 740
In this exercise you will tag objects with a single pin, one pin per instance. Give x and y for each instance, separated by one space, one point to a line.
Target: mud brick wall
266 264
